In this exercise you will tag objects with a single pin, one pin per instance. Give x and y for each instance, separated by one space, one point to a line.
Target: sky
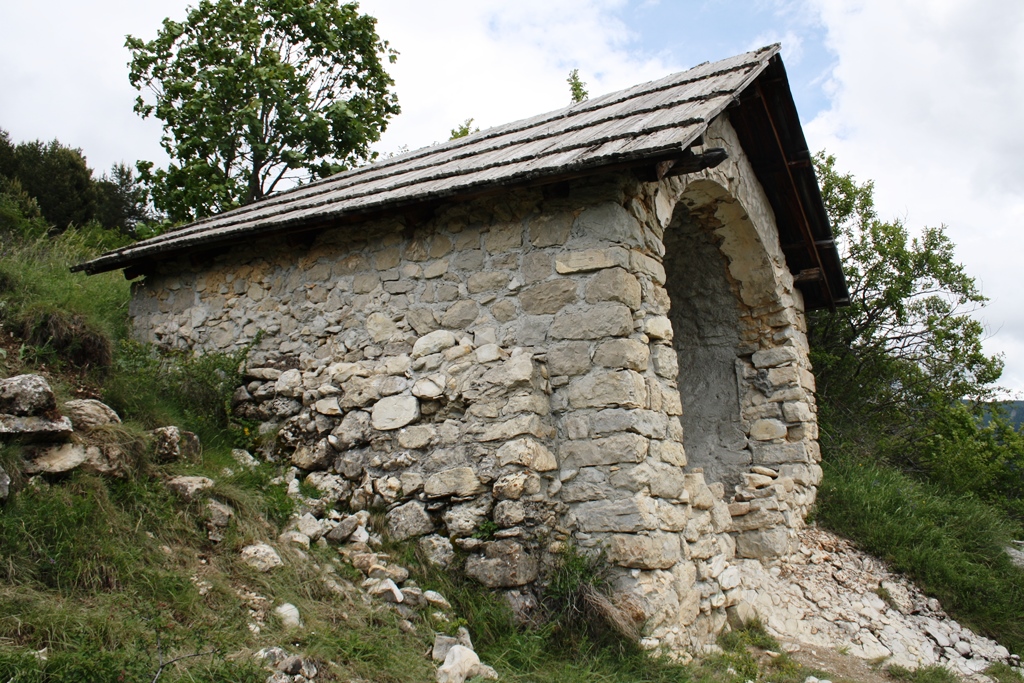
921 96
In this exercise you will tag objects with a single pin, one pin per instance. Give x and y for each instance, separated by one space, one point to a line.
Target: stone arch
719 276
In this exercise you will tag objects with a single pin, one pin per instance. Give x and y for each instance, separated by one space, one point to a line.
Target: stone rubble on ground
830 595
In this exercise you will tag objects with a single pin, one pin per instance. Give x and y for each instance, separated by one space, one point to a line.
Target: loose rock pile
830 595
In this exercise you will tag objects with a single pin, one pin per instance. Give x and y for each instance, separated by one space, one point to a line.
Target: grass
951 545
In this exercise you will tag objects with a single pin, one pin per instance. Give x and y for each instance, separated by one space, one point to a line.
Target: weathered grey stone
432 343
622 515
289 384
409 520
515 485
487 281
171 443
361 392
524 425
773 358
658 327
343 530
630 354
548 297
34 428
741 615
641 263
386 590
243 458
505 564
656 551
767 430
189 488
5 485
700 495
778 453
620 448
354 430
509 513
460 315
438 551
57 459
649 423
614 284
591 259
422 320
457 481
328 406
764 544
609 222
528 453
569 358
315 457
395 412
289 616
417 436
86 414
670 452
459 664
597 322
25 395
608 389
427 388
550 230
465 519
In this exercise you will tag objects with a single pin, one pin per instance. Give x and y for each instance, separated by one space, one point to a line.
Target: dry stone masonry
613 363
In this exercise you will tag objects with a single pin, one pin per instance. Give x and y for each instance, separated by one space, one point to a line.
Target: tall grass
952 545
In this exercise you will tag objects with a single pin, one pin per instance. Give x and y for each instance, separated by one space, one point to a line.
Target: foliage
255 92
463 129
123 200
951 544
53 181
907 346
577 88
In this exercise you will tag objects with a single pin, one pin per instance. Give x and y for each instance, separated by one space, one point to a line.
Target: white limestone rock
395 412
261 557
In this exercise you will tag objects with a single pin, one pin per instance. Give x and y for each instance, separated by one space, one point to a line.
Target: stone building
586 327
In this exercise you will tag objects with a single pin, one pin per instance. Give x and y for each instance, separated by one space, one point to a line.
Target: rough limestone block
25 395
457 481
631 354
189 487
767 430
550 230
608 389
409 520
505 564
599 321
764 544
460 315
666 361
261 557
395 412
621 516
614 284
773 358
778 453
528 453
34 427
62 458
656 551
86 414
645 265
432 343
658 327
620 448
487 281
649 423
548 297
609 222
591 259
670 452
569 358
524 425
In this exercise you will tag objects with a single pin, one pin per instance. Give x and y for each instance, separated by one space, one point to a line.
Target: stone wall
503 376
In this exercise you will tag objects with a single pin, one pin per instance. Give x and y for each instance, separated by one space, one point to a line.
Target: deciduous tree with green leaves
901 371
254 94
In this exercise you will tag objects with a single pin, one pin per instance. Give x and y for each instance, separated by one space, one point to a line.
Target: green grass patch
951 545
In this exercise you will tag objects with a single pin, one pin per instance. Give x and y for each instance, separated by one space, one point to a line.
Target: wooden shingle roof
654 121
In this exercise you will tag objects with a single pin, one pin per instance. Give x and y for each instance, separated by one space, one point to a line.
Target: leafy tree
253 93
577 88
893 364
463 129
57 176
123 201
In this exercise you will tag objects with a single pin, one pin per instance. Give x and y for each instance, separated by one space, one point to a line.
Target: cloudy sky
923 96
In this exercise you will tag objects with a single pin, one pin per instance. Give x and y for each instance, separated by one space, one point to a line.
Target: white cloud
926 100
498 62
